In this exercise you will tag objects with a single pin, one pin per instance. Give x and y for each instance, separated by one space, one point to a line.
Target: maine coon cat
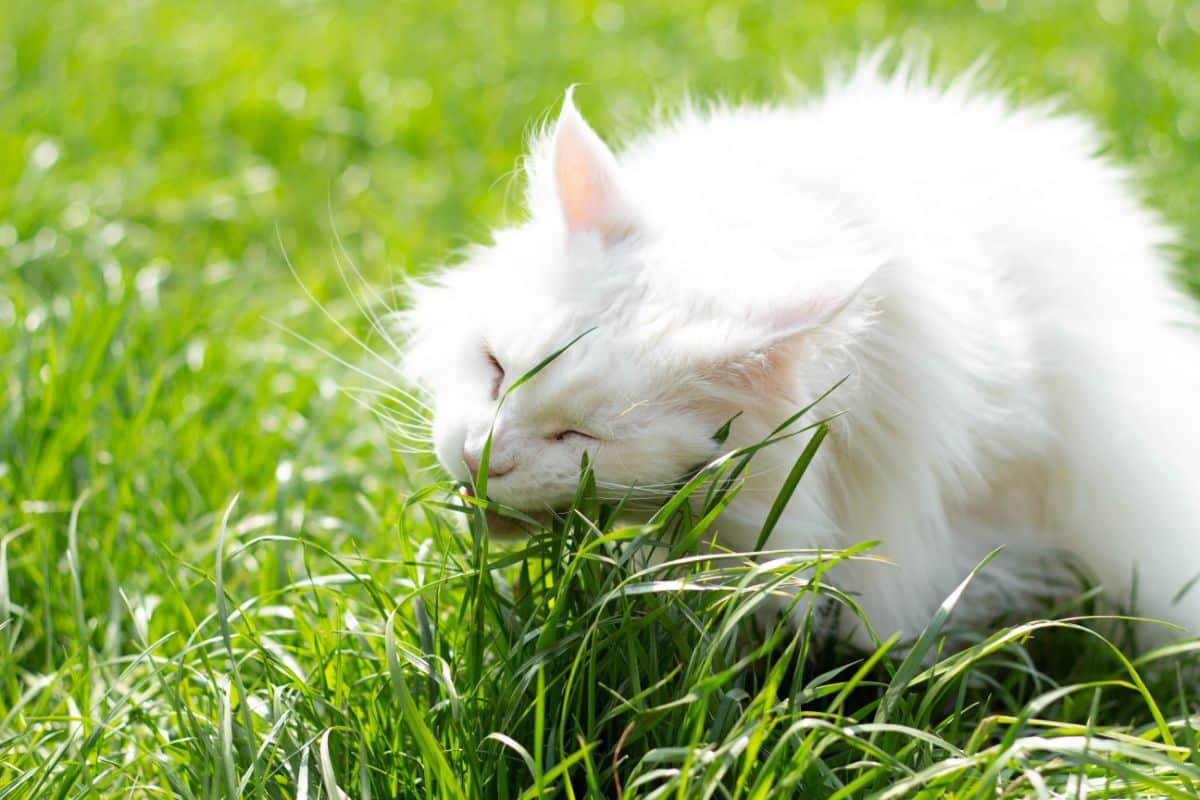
1021 370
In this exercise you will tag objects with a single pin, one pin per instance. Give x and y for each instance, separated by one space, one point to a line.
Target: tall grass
345 627
594 659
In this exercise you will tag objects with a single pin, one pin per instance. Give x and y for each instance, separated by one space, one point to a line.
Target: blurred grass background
161 146
153 157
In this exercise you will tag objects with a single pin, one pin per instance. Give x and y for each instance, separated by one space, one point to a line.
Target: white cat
1021 370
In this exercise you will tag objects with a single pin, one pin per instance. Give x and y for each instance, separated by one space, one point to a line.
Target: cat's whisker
639 492
391 396
337 236
401 423
409 437
390 367
407 451
422 472
420 447
408 420
389 400
397 426
377 326
416 432
396 395
401 447
397 423
425 445
343 362
622 485
643 490
375 321
401 392
412 432
669 489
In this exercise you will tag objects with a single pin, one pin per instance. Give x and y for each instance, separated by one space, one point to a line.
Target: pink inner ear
581 197
784 323
764 358
767 371
586 176
820 308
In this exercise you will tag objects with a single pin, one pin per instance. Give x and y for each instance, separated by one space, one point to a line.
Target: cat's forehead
532 294
539 260
597 372
593 354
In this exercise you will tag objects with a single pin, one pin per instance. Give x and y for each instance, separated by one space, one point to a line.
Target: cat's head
682 333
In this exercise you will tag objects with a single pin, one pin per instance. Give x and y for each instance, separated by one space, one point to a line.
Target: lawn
216 577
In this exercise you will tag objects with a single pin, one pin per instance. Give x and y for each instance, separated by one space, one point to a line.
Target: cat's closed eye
498 377
567 434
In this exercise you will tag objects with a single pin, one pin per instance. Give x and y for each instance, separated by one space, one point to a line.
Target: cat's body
1020 368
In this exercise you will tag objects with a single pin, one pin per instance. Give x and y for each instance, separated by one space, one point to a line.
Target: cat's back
870 134
916 164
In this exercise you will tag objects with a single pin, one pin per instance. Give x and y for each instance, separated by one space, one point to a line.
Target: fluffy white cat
1022 372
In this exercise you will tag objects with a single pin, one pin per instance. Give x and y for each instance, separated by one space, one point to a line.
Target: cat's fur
1021 370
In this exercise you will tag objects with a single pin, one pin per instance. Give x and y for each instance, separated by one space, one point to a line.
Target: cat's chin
502 527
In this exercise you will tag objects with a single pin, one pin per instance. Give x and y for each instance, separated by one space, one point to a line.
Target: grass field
217 580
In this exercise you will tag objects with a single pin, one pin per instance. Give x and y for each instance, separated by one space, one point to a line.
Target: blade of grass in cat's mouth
499 525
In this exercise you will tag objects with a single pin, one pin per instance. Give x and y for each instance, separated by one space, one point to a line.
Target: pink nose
497 468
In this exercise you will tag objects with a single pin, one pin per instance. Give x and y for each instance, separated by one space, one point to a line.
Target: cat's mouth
501 525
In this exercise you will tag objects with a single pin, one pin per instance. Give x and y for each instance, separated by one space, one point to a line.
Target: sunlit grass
336 628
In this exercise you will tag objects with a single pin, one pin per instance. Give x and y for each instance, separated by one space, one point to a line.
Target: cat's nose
497 467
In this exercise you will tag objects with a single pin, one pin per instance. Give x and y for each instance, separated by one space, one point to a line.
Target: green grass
217 580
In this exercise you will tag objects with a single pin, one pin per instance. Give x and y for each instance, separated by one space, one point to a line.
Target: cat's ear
781 323
588 179
760 350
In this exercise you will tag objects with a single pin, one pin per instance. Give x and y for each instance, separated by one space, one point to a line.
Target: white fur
1020 370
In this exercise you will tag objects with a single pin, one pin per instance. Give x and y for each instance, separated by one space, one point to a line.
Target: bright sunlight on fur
1020 370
